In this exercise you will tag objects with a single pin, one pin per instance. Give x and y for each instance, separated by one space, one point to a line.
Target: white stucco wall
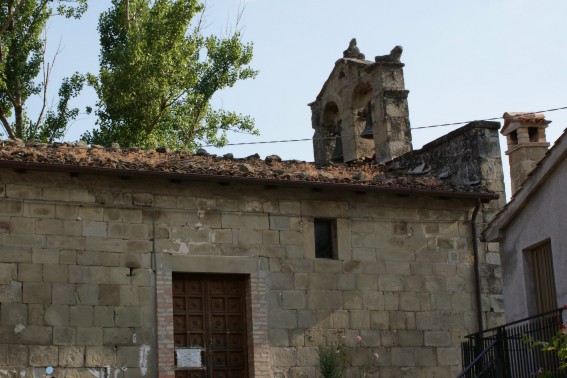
543 217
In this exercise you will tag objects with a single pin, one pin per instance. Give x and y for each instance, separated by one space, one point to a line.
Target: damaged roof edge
484 196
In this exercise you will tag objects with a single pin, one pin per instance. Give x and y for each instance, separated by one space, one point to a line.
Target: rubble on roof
202 163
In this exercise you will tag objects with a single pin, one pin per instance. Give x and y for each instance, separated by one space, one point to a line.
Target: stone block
64 293
437 338
65 242
283 319
87 294
63 335
49 226
81 316
89 336
132 216
10 207
99 274
379 320
128 317
346 281
306 319
410 338
110 259
256 221
56 315
36 335
79 274
68 257
23 191
426 357
118 336
324 299
284 357
15 255
71 356
8 273
279 222
359 319
367 282
55 273
322 281
270 237
403 357
352 300
81 195
45 256
100 356
13 313
129 295
103 316
292 299
128 356
30 272
36 292
118 275
142 199
104 244
328 266
43 355
448 356
39 210
289 238
391 301
19 225
409 302
35 314
249 237
11 292
373 300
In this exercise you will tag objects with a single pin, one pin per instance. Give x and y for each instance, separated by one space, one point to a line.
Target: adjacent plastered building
529 228
132 263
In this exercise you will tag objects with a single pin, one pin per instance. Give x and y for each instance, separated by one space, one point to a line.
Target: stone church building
136 263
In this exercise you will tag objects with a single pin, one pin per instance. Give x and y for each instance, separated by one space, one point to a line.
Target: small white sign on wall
189 357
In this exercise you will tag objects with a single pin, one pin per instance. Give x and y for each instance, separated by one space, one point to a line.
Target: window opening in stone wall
532 133
542 276
326 238
514 137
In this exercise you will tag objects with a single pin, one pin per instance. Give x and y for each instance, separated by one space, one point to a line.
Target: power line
412 128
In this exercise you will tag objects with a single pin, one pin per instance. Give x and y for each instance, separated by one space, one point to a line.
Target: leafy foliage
158 73
22 58
557 345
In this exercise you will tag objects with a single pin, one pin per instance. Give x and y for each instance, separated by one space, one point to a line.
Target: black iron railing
502 352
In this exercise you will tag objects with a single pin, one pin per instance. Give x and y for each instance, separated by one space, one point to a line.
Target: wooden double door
209 312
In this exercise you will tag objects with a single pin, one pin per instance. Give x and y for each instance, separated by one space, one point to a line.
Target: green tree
158 73
22 58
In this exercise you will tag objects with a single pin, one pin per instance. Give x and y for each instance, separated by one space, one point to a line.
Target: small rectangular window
326 238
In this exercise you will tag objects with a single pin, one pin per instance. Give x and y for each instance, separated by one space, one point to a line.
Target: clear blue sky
465 60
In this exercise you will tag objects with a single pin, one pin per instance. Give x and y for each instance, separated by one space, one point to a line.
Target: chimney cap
522 118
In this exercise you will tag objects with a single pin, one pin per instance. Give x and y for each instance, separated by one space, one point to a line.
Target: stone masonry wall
471 155
82 256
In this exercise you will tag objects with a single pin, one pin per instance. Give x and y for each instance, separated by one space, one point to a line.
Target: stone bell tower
527 144
362 109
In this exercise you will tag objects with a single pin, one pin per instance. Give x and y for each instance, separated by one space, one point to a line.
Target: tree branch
7 126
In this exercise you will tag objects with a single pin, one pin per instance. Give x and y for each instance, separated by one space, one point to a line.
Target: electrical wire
411 128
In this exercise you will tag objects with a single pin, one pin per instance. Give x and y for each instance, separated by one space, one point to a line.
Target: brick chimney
525 136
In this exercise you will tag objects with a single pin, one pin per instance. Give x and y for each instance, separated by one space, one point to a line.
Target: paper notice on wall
189 357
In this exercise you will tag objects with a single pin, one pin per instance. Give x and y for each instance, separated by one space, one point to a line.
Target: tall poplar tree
22 59
158 73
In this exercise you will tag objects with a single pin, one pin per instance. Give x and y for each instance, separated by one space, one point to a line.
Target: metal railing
502 352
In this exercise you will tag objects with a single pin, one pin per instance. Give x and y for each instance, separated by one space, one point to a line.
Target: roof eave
483 196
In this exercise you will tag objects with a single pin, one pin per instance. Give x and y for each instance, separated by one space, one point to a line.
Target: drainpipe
477 267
